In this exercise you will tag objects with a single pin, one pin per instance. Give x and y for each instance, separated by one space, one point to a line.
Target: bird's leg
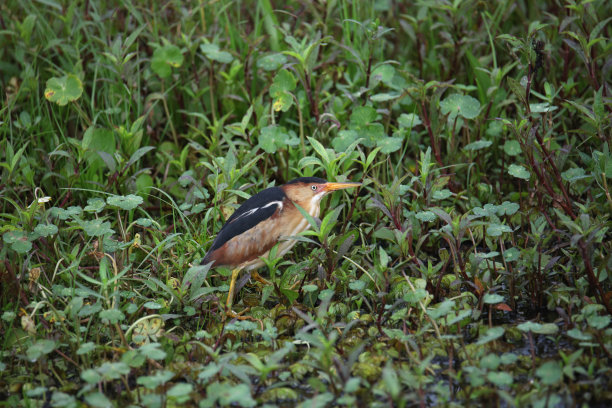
230 293
230 300
259 279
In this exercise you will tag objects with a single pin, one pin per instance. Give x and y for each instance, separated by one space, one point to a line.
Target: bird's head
308 191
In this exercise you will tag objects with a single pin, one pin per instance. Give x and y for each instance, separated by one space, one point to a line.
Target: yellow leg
258 278
230 294
230 300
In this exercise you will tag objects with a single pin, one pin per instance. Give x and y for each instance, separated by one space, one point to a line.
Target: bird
268 218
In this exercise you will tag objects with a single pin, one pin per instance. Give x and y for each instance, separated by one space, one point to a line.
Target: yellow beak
329 186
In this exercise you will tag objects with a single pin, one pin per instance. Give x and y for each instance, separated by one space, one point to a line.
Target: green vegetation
472 268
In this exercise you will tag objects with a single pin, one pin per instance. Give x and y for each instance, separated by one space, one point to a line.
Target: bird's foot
239 316
258 278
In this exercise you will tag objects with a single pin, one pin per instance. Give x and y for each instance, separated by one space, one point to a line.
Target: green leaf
283 81
511 254
493 298
442 194
507 208
153 381
492 334
598 322
543 107
578 334
573 174
213 52
477 145
496 230
529 326
273 138
344 139
97 227
63 90
385 96
60 399
271 62
112 315
462 105
228 394
413 297
8 316
165 58
363 116
389 145
425 216
550 373
97 140
383 73
409 120
152 351
39 349
45 230
180 392
18 240
127 203
95 205
86 348
500 379
98 400
518 171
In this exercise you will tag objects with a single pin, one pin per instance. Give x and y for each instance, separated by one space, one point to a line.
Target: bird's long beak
329 186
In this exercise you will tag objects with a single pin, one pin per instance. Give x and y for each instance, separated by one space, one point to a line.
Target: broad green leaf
492 334
344 139
479 144
165 58
97 227
389 145
442 194
573 174
462 105
45 230
507 208
127 203
18 240
496 230
500 379
425 216
95 205
213 52
271 62
98 400
152 351
550 373
40 348
518 171
383 73
112 315
64 89
493 298
409 120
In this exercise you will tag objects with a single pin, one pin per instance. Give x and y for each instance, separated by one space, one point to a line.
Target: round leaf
518 171
213 52
127 203
462 105
45 230
389 145
165 58
63 90
408 120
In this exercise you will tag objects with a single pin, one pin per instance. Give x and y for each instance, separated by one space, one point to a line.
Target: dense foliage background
472 267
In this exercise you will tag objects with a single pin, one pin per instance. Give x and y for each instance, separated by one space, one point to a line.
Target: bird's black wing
256 209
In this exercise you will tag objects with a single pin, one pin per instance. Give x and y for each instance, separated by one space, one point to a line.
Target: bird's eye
313 187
